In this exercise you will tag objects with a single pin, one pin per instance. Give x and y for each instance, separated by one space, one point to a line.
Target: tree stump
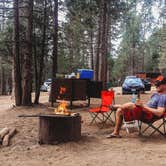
54 129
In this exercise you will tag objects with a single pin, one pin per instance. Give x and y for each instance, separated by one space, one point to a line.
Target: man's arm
158 112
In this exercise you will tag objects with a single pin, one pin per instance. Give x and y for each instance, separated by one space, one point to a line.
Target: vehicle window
133 80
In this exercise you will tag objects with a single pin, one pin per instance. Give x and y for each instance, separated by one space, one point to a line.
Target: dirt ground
94 149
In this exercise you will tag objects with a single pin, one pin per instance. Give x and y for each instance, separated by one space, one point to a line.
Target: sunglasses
158 84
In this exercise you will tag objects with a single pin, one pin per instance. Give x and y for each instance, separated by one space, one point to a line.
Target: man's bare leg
119 118
116 106
118 123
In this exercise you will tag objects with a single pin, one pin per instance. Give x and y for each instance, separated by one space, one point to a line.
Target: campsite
82 83
92 149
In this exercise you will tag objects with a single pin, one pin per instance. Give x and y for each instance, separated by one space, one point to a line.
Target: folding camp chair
103 113
155 127
131 124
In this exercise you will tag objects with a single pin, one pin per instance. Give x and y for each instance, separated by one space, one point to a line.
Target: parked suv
132 84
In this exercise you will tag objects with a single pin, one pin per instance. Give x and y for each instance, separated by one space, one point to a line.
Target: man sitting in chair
154 109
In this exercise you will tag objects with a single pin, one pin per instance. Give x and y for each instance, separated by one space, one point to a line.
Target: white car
46 85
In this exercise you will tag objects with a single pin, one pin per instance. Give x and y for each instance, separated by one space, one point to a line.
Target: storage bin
85 73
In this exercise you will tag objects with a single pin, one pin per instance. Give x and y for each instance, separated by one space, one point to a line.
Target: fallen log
7 137
3 132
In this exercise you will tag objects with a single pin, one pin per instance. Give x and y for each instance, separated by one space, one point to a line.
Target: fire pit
55 129
60 126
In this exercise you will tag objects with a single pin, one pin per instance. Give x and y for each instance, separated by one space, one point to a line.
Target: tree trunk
41 62
104 45
133 57
98 46
13 84
27 65
55 49
91 48
2 79
35 64
71 52
16 56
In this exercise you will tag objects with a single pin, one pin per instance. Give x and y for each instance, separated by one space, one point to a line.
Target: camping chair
131 124
103 113
161 123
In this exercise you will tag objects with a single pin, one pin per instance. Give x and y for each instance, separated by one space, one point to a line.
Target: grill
75 89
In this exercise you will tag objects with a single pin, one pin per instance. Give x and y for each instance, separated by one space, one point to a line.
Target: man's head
160 84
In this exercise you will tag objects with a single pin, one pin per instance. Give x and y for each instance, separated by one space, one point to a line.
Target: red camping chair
155 127
103 113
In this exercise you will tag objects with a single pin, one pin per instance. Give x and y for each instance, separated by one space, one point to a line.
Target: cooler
85 73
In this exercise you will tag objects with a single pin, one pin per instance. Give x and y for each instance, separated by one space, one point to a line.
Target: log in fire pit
56 128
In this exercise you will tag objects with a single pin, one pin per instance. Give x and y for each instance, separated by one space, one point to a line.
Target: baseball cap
160 80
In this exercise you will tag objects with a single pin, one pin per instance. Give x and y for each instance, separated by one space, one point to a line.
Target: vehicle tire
142 91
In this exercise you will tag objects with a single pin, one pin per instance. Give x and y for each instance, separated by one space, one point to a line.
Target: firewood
3 132
7 137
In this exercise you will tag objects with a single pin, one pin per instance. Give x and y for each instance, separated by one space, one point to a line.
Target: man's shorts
138 114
